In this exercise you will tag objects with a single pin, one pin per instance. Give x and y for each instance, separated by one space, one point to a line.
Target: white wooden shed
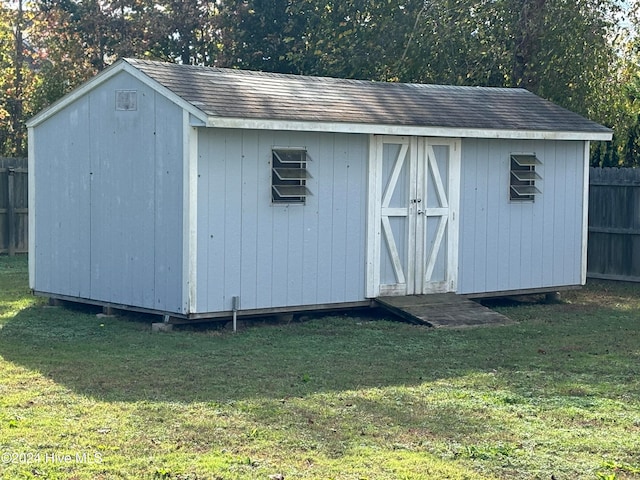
188 190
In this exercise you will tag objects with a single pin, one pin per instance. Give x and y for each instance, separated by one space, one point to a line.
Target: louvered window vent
524 178
289 175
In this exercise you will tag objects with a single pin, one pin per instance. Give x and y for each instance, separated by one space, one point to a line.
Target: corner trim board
190 213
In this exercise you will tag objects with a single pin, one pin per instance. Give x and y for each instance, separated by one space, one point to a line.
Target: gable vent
126 100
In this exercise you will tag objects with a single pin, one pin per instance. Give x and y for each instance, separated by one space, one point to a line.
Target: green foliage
6 61
625 148
573 53
17 81
611 469
259 34
186 31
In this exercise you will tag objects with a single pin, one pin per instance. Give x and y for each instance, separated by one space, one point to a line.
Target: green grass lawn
557 395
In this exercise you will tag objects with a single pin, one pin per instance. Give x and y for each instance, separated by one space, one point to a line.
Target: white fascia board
74 95
194 111
376 129
102 77
196 121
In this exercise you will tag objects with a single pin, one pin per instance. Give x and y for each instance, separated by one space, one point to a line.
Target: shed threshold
442 310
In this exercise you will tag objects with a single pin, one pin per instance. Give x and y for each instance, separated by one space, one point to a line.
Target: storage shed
188 191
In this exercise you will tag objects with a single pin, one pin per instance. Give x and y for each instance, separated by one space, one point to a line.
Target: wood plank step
442 310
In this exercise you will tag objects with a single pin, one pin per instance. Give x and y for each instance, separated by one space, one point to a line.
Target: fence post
11 220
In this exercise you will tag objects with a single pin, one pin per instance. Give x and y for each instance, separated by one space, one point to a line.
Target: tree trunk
17 113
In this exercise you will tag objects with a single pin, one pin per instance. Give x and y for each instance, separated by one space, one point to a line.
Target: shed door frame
412 214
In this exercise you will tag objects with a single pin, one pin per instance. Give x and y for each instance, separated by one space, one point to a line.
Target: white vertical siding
108 193
168 198
122 186
279 255
508 245
60 250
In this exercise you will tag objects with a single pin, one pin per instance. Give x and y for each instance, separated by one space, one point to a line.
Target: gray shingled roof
241 94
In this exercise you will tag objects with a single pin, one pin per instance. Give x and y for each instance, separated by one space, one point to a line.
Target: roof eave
379 129
102 77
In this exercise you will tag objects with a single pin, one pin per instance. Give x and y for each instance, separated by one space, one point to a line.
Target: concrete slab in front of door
442 310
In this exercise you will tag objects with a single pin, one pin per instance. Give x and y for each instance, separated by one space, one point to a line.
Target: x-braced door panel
396 161
438 233
413 197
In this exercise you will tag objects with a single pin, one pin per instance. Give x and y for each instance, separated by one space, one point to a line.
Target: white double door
412 228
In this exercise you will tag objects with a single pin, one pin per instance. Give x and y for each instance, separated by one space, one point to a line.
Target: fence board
14 212
614 224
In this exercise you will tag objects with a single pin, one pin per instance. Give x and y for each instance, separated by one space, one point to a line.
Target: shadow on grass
119 359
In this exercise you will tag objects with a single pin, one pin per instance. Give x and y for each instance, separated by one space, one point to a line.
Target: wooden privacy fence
14 213
614 224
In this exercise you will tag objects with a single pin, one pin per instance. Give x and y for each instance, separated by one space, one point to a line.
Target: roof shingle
242 94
